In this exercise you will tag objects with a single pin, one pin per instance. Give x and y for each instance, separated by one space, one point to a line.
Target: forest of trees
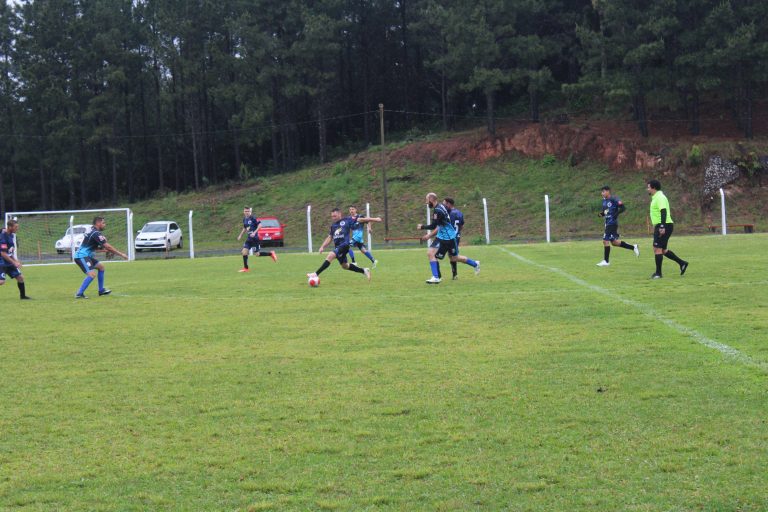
106 101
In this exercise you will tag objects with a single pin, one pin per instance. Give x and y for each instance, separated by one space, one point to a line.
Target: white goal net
50 237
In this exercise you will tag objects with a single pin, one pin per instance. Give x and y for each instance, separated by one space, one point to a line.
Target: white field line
726 350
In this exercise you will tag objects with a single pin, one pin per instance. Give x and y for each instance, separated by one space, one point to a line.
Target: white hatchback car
64 244
159 234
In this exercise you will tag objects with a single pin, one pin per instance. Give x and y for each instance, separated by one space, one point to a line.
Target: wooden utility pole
384 171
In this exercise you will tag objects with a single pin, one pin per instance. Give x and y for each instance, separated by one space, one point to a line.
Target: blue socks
435 269
86 282
471 262
369 255
101 280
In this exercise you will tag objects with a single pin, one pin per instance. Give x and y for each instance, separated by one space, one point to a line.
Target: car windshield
79 230
154 228
269 223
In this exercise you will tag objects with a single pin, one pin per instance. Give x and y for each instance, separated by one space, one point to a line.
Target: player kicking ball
340 235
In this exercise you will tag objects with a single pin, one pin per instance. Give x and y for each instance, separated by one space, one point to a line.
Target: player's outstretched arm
368 219
241 234
111 249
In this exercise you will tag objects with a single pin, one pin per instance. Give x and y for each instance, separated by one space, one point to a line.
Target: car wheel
181 243
280 243
139 250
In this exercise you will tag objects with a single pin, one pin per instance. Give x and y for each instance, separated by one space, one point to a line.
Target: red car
271 231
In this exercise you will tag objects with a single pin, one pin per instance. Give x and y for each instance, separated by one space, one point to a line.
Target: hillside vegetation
514 187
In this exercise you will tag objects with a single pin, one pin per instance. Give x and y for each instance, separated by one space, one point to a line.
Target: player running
357 237
340 234
94 241
612 208
251 226
445 241
10 266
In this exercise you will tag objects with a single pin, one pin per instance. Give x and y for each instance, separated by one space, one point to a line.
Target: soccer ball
314 281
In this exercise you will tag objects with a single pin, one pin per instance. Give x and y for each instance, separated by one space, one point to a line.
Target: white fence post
487 229
546 206
722 210
368 214
191 238
72 236
309 228
131 238
429 221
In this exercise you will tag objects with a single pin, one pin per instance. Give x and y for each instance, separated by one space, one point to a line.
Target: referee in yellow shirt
661 218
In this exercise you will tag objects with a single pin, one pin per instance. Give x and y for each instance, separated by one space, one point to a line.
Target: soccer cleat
603 264
311 274
25 298
105 291
636 250
80 296
244 270
655 276
477 268
683 267
375 262
433 280
273 255
367 273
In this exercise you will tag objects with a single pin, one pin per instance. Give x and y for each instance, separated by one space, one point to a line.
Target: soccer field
546 383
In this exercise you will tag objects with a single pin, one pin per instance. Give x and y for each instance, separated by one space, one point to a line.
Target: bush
548 160
695 157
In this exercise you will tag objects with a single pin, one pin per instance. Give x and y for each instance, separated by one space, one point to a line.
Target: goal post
52 237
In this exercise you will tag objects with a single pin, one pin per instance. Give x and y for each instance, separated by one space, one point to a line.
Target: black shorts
9 271
252 243
86 264
450 247
611 233
358 245
341 253
660 241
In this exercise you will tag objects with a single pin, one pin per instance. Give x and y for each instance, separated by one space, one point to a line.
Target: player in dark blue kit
340 234
445 243
357 237
10 266
94 241
612 208
251 226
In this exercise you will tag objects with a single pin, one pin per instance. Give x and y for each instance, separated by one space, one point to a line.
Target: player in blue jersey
340 234
612 208
94 241
445 243
357 237
10 266
457 219
251 245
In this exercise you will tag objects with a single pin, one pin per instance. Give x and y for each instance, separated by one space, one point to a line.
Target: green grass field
546 383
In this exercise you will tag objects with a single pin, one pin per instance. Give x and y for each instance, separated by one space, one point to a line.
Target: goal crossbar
63 220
